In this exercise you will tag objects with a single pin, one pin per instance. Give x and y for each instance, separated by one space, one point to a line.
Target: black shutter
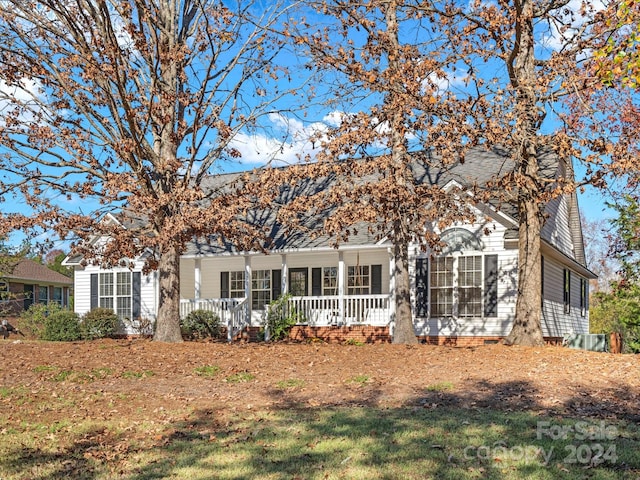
276 284
316 282
542 281
94 291
422 287
491 286
376 279
137 300
567 290
224 284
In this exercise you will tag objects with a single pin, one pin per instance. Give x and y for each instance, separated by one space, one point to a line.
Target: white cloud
28 95
568 22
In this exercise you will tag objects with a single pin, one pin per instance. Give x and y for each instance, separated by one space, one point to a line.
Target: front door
299 282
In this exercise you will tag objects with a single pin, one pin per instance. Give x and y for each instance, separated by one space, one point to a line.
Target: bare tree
133 104
515 62
386 69
530 60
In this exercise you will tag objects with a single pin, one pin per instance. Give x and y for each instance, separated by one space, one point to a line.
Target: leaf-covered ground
134 409
144 380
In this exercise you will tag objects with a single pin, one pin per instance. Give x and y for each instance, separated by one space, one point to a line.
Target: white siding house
464 294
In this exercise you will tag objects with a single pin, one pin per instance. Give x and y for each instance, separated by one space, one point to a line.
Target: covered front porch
324 287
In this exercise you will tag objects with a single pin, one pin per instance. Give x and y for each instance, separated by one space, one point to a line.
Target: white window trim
455 306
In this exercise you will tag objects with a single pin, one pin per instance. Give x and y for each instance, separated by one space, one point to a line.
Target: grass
207 370
350 443
359 379
240 377
137 374
290 383
440 387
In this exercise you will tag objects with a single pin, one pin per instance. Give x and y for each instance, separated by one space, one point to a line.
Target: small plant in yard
280 318
137 374
440 387
99 323
62 375
240 377
353 341
207 370
360 379
44 368
290 383
201 325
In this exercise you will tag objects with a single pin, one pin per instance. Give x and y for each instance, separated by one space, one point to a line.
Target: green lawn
351 443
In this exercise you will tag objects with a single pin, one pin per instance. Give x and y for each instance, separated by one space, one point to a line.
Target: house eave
549 250
287 251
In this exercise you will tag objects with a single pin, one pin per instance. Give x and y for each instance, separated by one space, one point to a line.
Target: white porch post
392 290
284 282
198 279
341 279
247 287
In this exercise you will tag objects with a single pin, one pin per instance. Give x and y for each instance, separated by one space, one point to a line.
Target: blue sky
286 138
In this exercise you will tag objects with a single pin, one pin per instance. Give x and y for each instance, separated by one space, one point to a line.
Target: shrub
62 326
32 320
99 323
618 311
280 318
200 325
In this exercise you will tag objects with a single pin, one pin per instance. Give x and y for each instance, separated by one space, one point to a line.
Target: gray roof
479 166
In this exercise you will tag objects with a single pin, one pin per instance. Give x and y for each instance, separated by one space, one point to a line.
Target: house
463 294
26 282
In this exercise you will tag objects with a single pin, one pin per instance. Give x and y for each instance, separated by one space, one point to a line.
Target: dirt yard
141 379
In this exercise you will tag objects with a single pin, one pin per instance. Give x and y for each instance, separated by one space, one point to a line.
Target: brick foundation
335 334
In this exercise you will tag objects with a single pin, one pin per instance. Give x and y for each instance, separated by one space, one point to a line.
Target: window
441 287
461 286
43 295
105 292
458 240
358 280
119 291
260 289
470 286
57 295
330 280
123 295
4 290
236 284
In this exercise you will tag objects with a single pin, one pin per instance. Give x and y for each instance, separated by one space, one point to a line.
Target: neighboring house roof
26 270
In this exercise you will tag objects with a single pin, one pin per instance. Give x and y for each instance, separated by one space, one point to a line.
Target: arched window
458 240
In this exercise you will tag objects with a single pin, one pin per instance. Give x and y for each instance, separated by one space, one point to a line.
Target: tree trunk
404 331
527 325
168 321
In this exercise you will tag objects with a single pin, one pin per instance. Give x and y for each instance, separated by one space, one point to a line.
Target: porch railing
318 311
347 310
231 311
